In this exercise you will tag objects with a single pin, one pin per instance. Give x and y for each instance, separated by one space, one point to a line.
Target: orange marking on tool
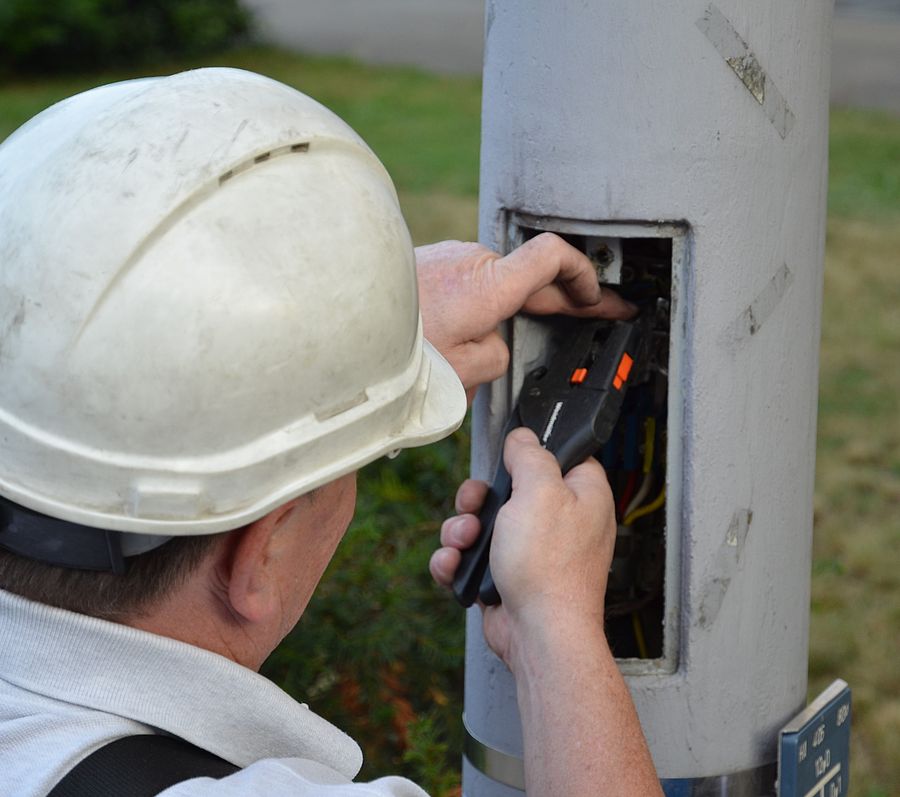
624 367
578 376
617 383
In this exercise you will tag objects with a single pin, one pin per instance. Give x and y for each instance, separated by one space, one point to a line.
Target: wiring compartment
644 263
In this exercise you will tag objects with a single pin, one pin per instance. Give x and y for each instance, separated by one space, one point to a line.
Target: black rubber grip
572 452
474 562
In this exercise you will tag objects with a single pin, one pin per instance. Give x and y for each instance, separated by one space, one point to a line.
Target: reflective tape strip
510 771
502 767
758 782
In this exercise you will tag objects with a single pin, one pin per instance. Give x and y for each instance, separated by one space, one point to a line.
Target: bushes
379 650
67 35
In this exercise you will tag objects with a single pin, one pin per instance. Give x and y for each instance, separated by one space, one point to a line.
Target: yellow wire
649 437
655 504
639 635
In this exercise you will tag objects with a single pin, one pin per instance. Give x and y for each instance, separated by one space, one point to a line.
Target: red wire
628 493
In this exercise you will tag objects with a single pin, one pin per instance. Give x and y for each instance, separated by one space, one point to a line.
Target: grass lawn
855 623
397 687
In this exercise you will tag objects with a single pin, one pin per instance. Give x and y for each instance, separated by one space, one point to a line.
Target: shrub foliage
379 650
75 35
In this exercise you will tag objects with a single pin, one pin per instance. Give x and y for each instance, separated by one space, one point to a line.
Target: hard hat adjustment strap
63 544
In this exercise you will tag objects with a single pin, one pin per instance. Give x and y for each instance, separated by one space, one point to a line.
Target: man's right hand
550 555
552 545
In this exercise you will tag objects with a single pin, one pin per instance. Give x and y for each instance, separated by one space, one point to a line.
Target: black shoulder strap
140 766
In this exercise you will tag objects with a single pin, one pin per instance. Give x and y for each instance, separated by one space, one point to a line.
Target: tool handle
570 452
572 405
474 562
487 592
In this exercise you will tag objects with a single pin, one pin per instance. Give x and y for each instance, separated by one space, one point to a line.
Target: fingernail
456 528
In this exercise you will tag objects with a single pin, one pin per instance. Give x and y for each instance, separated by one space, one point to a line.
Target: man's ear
253 591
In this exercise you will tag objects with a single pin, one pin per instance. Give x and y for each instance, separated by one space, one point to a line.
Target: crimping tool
572 404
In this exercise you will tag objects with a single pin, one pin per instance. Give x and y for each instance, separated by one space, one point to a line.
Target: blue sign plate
814 748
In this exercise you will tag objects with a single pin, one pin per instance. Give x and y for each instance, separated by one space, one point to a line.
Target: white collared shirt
70 684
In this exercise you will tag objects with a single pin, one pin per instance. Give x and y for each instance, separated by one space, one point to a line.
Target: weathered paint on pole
711 119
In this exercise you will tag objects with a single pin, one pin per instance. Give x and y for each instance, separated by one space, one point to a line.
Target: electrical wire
639 636
655 504
647 483
639 496
627 607
627 493
649 441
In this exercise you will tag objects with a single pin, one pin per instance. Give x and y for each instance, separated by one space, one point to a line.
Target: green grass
864 165
396 686
855 623
424 128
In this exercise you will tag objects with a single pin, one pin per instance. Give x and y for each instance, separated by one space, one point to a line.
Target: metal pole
696 134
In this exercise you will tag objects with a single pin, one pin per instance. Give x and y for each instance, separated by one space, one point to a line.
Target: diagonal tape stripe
749 322
716 27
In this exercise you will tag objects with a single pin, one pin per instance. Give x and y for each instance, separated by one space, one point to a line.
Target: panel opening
635 260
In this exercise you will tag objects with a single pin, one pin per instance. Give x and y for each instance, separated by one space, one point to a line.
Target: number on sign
843 713
819 735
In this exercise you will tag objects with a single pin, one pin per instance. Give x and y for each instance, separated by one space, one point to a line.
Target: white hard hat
207 307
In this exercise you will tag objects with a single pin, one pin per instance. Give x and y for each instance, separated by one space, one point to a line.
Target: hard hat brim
431 408
444 404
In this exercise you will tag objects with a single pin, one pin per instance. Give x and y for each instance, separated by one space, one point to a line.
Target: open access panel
646 263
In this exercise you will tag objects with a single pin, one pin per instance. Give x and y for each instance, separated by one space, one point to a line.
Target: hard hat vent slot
262 157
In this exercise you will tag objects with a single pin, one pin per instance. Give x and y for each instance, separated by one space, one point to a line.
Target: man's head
208 308
237 593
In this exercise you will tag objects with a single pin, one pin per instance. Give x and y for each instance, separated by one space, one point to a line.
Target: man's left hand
466 290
